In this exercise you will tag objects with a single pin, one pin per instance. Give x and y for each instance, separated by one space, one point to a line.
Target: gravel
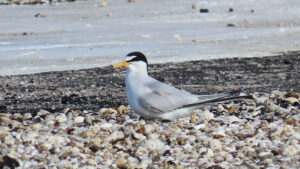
80 118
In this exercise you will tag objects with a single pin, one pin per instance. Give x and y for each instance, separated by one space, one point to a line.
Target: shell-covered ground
258 133
76 119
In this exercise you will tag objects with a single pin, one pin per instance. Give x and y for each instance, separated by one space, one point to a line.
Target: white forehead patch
127 58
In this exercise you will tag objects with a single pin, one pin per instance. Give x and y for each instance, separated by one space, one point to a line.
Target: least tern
151 98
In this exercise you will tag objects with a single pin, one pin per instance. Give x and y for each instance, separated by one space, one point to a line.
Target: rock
17 116
230 10
103 4
9 162
265 155
204 10
45 146
27 116
79 119
216 144
177 36
233 110
123 110
109 14
231 25
4 119
219 134
195 6
155 145
65 110
121 163
291 100
115 136
233 119
61 118
36 126
207 115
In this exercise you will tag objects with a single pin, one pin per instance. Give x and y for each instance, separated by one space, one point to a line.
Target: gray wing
164 98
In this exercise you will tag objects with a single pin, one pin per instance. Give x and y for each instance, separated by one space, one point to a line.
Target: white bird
151 98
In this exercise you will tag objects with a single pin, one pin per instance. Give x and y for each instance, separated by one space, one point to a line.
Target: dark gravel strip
92 89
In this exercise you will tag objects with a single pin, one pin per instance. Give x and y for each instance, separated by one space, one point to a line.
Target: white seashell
79 119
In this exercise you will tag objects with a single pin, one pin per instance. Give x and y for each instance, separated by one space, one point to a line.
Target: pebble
4 119
291 99
79 119
27 116
207 115
265 155
195 6
115 136
103 4
204 10
61 118
17 116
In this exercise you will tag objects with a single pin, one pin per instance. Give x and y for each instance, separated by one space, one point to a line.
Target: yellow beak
122 64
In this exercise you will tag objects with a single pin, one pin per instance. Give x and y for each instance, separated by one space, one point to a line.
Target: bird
151 98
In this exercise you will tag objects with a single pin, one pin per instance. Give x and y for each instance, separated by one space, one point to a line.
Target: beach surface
80 118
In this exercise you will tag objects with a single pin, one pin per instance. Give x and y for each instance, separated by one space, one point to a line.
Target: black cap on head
138 57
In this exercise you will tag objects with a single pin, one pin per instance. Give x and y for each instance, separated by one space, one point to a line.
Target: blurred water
82 35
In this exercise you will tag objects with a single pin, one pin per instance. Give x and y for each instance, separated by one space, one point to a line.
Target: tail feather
218 99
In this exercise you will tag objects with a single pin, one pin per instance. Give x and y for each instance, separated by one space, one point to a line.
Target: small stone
38 15
210 153
123 110
233 110
233 119
43 112
231 25
155 145
61 118
4 119
17 116
195 6
45 146
219 134
103 4
109 111
79 119
138 136
215 143
4 129
27 116
36 126
177 36
115 136
65 110
92 162
87 133
207 115
230 10
265 155
121 163
204 10
291 100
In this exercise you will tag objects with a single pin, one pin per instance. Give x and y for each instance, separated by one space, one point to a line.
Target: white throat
139 68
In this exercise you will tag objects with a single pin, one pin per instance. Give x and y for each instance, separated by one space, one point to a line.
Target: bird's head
135 61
